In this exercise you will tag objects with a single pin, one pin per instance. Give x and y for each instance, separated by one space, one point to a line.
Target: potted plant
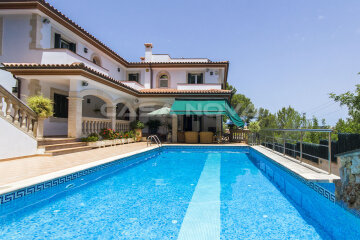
122 137
126 136
93 140
131 138
153 125
43 107
108 135
137 126
117 139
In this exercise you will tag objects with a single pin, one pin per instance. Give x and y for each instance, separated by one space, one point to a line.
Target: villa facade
90 84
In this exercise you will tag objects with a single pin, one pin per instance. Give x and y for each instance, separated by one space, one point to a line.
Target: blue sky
281 52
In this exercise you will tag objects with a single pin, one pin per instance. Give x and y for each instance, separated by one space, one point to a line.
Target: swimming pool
178 193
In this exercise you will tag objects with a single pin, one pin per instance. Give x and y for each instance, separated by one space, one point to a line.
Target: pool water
182 193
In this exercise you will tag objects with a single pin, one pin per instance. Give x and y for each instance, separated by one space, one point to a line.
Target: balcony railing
95 125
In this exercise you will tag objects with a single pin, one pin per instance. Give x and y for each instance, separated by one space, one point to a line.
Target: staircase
59 146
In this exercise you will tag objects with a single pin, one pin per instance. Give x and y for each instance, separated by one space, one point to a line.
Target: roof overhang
56 15
80 69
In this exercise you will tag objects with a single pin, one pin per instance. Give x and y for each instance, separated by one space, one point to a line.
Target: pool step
59 146
63 146
67 150
53 141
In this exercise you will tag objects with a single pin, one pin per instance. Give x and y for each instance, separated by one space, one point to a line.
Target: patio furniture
191 137
206 137
181 137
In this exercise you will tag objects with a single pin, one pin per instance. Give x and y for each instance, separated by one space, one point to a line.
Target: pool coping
307 172
14 186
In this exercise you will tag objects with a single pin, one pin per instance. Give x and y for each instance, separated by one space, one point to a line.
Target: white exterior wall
16 40
17 37
7 80
15 143
179 76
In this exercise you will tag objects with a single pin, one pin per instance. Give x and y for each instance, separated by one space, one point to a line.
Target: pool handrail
155 138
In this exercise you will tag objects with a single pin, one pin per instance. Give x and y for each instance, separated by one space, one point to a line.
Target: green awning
206 107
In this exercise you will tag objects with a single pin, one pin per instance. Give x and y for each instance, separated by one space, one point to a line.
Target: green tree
254 127
352 101
266 119
242 105
289 118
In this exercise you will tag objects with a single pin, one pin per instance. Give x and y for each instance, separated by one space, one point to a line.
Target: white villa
44 52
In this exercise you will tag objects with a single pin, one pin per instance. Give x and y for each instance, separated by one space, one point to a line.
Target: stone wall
348 188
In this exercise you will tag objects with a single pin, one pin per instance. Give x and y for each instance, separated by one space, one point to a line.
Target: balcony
65 56
185 86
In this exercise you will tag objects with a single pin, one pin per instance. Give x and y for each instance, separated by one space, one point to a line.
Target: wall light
85 83
46 21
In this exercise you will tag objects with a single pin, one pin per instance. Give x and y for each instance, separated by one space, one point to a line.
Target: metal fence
291 142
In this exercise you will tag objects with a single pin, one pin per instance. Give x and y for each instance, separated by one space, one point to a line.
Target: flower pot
131 140
96 144
123 140
109 142
118 141
138 134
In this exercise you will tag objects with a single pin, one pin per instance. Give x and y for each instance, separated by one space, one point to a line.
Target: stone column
218 123
75 116
40 128
174 128
111 113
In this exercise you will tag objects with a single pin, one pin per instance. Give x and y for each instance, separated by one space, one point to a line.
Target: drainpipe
18 85
151 76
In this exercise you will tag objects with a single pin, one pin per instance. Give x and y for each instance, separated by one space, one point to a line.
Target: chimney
148 52
142 59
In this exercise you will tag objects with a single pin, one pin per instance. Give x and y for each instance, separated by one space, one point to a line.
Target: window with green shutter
195 78
62 43
134 77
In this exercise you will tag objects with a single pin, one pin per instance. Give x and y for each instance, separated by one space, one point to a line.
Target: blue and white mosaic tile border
313 185
317 188
8 197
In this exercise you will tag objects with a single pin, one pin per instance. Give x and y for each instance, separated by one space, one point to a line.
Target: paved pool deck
304 170
22 172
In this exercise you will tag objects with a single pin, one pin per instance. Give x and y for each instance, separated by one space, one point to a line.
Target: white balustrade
95 125
122 126
16 112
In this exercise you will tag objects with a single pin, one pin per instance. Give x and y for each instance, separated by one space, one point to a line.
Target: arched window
164 81
96 60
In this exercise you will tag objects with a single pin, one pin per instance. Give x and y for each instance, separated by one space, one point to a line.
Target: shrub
121 135
107 133
137 125
90 139
93 137
131 134
254 127
42 106
153 126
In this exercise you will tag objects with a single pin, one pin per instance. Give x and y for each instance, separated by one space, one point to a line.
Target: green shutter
189 78
72 47
57 40
200 78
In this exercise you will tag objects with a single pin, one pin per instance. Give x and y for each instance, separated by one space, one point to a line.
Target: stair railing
16 112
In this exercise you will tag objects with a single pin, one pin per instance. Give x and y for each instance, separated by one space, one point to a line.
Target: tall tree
266 119
242 105
352 101
289 118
